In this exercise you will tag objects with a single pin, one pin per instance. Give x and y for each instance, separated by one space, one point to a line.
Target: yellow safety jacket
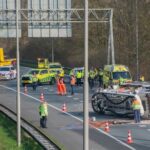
136 105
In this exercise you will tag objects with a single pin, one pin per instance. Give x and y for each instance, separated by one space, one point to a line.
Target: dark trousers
91 83
34 85
137 116
100 83
72 89
43 121
78 81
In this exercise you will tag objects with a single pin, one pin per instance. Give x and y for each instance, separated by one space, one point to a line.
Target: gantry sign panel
45 10
8 19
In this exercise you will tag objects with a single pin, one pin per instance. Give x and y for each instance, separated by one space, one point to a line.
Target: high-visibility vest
121 80
136 105
142 78
34 78
91 74
73 81
79 75
43 109
101 73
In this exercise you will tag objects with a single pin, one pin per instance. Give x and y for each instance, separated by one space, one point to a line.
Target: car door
44 76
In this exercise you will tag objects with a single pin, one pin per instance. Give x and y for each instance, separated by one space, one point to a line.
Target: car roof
137 84
38 69
78 68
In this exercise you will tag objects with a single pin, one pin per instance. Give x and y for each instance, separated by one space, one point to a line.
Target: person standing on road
72 84
43 111
136 109
63 86
100 79
79 76
91 78
34 81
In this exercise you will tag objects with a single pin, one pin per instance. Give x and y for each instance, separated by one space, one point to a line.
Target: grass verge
8 136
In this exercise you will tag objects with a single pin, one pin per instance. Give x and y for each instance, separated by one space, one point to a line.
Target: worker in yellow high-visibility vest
136 105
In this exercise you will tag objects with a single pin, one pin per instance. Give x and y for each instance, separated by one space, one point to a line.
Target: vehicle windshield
5 69
33 71
41 61
54 66
117 75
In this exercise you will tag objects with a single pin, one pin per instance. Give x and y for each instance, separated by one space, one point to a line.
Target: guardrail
34 132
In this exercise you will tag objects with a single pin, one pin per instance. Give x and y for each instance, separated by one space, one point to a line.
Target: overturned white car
119 101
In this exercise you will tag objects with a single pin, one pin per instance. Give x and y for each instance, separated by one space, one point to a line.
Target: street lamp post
52 49
18 79
137 40
86 88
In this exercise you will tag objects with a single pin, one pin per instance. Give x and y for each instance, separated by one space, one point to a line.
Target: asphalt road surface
67 128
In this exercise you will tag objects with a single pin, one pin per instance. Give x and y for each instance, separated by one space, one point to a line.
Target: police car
7 73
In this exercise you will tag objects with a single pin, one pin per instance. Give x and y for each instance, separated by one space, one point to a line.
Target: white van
7 73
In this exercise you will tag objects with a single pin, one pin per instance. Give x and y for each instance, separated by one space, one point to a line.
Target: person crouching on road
136 109
43 111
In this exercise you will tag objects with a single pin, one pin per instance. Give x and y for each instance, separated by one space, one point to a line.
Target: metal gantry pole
52 49
18 78
86 88
112 37
137 41
109 47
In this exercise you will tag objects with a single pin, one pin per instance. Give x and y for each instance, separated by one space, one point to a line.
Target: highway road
67 128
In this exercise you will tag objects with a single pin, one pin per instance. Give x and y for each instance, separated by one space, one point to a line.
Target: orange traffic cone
42 97
129 141
106 129
64 108
25 90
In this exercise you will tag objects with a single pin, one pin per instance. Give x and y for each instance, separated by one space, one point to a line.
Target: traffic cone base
107 129
129 141
25 90
42 97
64 108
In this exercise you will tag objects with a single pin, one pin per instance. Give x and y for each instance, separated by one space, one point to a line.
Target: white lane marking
51 90
142 125
100 130
75 98
69 96
148 129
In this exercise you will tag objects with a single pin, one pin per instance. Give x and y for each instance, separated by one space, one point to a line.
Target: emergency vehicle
56 68
43 63
113 73
43 76
7 73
